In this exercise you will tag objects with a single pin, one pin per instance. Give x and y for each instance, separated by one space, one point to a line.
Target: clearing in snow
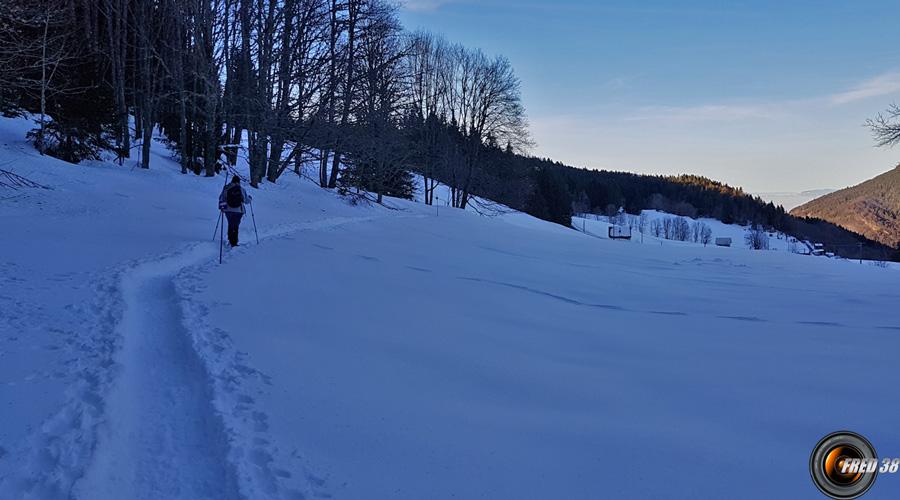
409 352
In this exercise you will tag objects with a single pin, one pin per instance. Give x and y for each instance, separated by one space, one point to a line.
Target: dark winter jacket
223 205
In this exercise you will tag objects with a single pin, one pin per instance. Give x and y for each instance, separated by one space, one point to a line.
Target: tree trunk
330 96
275 153
138 115
352 17
42 136
178 69
147 140
212 137
116 16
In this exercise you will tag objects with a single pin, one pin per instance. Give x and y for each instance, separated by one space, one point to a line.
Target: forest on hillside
336 90
871 208
560 190
286 83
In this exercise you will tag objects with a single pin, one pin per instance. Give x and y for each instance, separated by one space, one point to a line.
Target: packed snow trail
164 439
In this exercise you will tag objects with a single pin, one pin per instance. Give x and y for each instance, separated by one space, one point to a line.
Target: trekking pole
221 235
221 213
218 220
253 216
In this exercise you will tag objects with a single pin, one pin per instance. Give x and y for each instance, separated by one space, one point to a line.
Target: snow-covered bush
705 235
643 222
681 229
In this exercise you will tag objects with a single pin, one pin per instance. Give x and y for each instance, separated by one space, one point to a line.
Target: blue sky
768 95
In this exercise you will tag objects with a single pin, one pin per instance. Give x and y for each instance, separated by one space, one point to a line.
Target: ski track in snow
161 436
164 439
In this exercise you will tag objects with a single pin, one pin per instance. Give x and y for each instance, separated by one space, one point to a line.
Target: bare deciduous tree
757 238
886 127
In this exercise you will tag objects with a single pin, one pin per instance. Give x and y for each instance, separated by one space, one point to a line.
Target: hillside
602 192
415 352
871 208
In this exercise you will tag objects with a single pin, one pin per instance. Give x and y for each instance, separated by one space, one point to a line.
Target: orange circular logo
843 465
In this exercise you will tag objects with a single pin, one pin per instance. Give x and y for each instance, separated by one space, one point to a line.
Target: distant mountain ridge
792 199
871 208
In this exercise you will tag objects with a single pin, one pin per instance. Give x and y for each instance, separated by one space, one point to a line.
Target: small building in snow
619 233
723 242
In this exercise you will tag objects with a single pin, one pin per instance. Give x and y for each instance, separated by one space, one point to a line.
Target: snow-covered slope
598 225
365 352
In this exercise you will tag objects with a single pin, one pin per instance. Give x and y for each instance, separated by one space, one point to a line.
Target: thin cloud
703 113
424 5
879 86
886 84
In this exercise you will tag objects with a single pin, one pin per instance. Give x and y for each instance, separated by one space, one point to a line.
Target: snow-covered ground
598 226
366 352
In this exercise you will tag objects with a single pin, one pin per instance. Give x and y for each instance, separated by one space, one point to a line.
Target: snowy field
598 225
365 352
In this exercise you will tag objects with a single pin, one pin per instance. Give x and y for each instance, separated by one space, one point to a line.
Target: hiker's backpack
234 197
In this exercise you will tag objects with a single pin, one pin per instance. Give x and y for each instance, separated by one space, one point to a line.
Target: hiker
231 201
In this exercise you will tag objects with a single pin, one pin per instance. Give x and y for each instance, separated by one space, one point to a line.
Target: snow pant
234 221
